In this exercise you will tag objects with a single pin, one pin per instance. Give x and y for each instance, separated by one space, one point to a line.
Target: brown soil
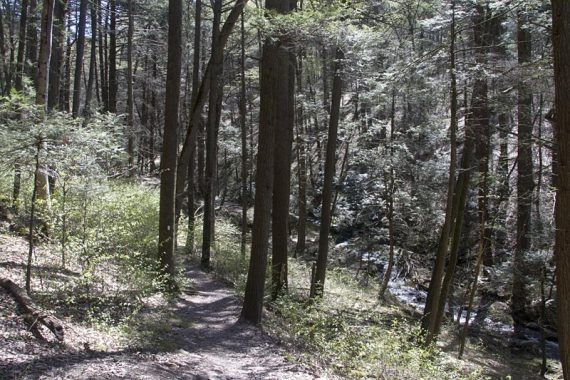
195 336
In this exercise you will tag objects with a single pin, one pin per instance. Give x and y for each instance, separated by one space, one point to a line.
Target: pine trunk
167 230
561 43
318 283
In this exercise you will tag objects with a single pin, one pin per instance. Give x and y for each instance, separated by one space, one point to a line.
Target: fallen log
32 314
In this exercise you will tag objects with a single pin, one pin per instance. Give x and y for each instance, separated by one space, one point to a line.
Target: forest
284 189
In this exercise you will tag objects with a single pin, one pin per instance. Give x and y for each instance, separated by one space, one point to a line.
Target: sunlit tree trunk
79 53
58 49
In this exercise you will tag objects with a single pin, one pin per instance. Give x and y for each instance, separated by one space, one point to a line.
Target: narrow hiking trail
198 338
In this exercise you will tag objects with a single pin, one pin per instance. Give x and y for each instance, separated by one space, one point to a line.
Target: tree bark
302 168
525 182
92 62
284 124
33 314
214 110
318 284
561 43
269 80
434 291
102 56
56 64
45 54
243 124
195 88
113 83
167 229
22 37
32 41
79 53
130 94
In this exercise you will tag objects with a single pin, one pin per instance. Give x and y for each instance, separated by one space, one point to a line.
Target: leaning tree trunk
434 291
318 282
195 114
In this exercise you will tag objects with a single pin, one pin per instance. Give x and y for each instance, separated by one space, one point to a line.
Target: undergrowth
350 332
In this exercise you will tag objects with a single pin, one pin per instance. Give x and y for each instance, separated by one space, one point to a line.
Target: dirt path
201 340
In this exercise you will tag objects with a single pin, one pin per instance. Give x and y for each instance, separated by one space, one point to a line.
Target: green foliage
227 261
359 339
113 223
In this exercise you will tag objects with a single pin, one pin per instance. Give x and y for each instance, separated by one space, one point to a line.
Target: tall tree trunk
195 88
270 79
4 68
19 85
391 190
57 57
167 228
434 291
561 43
41 185
65 96
525 182
478 121
92 62
79 52
22 38
130 94
113 83
32 41
45 54
458 212
318 283
243 125
102 56
284 125
302 168
214 109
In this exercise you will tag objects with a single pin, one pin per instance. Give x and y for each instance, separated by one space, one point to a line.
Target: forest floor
110 335
194 336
